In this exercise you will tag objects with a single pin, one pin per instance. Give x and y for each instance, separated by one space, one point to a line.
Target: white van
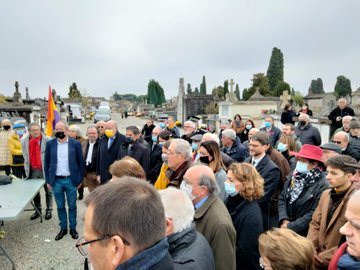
102 114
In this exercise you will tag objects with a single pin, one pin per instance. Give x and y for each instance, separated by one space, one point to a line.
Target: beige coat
4 149
214 222
326 237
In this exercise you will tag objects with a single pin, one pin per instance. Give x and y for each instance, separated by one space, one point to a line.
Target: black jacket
155 163
106 156
308 134
287 117
146 132
247 219
271 174
237 151
137 151
190 250
300 212
339 112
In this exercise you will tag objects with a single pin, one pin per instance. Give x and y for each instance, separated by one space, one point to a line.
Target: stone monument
180 101
284 99
27 92
231 95
17 95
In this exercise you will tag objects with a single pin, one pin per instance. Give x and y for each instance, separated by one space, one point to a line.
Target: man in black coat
108 151
259 143
338 113
156 152
232 145
135 149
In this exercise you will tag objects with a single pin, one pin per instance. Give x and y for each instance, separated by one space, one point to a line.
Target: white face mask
185 187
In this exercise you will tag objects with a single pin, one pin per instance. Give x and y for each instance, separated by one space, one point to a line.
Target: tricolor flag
53 115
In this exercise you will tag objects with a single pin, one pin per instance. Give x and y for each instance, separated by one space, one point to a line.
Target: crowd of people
247 198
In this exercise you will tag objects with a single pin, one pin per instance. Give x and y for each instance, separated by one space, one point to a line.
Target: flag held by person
53 115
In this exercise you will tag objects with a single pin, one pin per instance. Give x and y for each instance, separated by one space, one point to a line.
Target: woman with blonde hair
210 155
245 186
127 166
285 249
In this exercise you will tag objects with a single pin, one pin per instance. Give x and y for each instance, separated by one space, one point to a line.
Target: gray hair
209 182
178 207
191 123
182 147
229 133
76 129
210 137
33 124
91 126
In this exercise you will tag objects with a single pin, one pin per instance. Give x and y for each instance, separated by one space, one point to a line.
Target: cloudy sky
115 45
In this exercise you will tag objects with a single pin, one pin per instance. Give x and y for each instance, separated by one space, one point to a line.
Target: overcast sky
107 46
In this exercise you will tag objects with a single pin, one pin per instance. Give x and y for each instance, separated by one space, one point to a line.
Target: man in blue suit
64 171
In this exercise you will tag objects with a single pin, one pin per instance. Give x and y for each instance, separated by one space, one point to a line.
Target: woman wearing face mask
285 145
210 155
302 190
155 155
245 134
245 186
237 125
162 181
14 145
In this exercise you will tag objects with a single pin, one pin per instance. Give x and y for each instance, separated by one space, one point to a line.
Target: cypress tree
203 86
342 86
237 91
275 72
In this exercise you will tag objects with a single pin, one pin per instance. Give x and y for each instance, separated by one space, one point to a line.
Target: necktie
110 142
253 163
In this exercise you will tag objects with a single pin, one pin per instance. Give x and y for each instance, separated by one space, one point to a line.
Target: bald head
210 137
202 180
304 117
342 139
156 131
111 124
252 132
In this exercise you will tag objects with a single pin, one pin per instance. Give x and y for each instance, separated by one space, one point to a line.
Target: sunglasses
338 142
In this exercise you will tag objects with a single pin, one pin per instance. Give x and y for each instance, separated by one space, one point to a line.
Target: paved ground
31 243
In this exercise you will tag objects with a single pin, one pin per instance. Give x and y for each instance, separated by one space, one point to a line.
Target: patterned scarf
299 180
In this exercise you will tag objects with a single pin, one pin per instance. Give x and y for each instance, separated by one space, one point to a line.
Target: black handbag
18 159
4 180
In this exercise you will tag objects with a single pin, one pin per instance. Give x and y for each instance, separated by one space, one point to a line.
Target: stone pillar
180 101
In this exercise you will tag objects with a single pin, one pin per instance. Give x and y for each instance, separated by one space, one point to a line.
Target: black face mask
60 134
6 127
302 123
129 140
205 160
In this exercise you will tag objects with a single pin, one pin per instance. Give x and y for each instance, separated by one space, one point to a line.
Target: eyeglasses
262 264
82 243
100 127
338 142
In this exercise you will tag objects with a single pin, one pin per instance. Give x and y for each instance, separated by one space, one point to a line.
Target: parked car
102 114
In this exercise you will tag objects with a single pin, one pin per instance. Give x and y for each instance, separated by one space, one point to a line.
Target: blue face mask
194 146
281 147
248 127
154 139
20 132
230 189
267 124
162 125
301 167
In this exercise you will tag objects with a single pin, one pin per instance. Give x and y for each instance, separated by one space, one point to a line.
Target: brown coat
326 237
213 220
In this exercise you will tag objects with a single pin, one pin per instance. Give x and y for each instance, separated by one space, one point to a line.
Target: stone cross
231 83
284 98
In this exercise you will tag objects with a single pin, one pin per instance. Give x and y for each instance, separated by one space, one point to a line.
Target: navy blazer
271 174
76 161
106 156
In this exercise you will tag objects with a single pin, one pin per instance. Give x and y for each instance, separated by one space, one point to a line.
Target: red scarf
35 153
